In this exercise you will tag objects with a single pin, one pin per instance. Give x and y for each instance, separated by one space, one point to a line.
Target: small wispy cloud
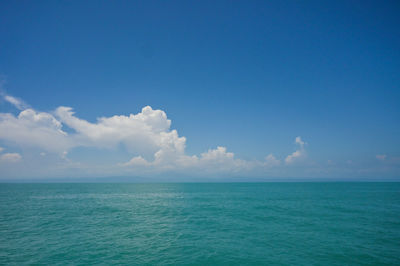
381 157
18 103
298 154
10 157
300 142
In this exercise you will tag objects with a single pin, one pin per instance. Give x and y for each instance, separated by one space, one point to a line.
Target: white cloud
10 157
298 154
137 161
300 142
18 103
270 161
34 129
218 154
146 135
147 132
381 157
214 160
220 160
294 156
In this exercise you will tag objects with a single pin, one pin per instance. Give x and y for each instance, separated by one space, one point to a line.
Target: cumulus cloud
34 129
147 136
215 160
10 157
221 159
297 155
1 149
270 160
147 132
137 161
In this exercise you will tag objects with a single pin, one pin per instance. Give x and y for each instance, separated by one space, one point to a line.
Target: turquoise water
200 224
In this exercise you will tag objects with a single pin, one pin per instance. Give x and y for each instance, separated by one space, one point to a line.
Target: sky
200 89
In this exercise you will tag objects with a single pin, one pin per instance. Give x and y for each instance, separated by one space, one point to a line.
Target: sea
273 223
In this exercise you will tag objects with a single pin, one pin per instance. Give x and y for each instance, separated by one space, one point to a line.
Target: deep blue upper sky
249 75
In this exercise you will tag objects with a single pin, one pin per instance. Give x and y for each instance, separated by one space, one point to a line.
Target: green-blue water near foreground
200 224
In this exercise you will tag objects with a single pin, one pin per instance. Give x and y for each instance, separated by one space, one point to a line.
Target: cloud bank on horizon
147 136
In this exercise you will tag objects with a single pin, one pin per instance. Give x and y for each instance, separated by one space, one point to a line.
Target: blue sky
247 76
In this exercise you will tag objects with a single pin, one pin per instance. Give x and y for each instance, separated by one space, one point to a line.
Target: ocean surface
200 224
